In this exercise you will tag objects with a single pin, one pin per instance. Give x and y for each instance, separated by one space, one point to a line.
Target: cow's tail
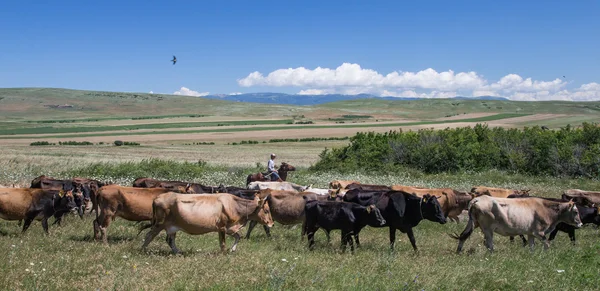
470 225
248 180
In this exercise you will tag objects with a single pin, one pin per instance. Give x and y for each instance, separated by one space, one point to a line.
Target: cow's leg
553 234
267 230
222 240
356 239
344 240
102 223
512 239
571 234
237 239
171 241
489 239
523 240
545 241
531 240
45 224
411 237
349 240
310 233
392 237
151 235
250 228
26 224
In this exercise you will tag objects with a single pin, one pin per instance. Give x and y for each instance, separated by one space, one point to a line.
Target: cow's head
66 200
285 167
263 212
374 217
431 209
570 214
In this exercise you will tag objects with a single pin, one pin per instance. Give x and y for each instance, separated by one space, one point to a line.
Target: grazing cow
79 185
90 186
401 210
350 218
202 213
453 202
534 217
341 184
146 183
285 186
134 204
589 198
31 203
287 207
498 192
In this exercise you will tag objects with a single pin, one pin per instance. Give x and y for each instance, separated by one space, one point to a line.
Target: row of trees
573 152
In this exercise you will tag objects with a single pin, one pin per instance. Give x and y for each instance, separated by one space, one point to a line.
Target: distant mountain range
292 99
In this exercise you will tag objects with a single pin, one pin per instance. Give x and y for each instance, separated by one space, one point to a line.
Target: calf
30 203
534 217
401 210
202 213
350 218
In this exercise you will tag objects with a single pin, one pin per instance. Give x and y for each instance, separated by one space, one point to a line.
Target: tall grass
69 259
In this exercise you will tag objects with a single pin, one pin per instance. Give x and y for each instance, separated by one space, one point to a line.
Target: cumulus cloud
151 92
187 92
353 79
235 93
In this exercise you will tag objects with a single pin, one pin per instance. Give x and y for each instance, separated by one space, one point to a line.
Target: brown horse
263 177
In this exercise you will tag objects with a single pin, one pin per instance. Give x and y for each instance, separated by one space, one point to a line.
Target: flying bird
174 60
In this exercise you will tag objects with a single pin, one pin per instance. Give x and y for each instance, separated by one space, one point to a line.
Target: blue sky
489 47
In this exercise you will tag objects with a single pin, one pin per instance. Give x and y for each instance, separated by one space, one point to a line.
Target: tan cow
588 198
498 192
203 213
531 216
134 204
453 202
341 184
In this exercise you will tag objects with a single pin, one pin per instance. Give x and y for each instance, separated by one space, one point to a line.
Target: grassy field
69 259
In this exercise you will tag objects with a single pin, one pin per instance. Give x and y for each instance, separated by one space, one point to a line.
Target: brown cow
341 184
453 202
134 204
202 213
287 207
587 198
30 203
498 192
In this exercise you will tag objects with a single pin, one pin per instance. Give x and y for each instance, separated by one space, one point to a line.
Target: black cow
401 210
80 191
350 218
30 203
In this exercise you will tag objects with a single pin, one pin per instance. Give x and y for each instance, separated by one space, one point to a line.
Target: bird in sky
174 60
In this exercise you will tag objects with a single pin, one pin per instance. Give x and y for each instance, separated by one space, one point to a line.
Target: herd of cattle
347 206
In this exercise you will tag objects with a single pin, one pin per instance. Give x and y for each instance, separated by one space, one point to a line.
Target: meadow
69 259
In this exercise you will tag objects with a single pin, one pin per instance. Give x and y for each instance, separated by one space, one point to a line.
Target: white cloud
235 93
151 92
187 92
314 92
353 79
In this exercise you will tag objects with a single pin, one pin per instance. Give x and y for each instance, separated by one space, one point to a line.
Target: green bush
568 152
41 143
118 143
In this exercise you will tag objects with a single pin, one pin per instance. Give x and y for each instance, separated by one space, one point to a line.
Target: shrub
41 143
118 143
561 153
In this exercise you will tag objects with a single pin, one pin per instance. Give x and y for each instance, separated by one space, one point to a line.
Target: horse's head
287 167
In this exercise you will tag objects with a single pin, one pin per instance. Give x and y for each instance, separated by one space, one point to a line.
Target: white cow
285 186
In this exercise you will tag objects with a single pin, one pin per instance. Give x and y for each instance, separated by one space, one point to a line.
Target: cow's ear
369 208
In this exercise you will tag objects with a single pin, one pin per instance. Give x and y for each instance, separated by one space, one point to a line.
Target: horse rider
272 169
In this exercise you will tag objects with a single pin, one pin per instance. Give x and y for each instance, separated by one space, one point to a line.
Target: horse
265 177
